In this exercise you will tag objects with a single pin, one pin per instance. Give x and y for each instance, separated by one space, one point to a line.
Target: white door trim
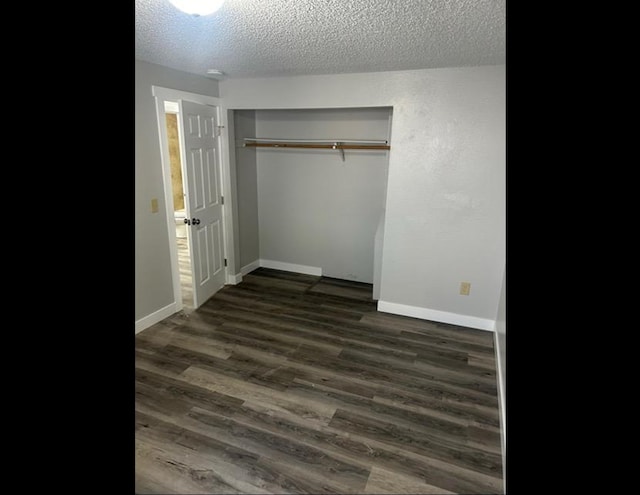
161 95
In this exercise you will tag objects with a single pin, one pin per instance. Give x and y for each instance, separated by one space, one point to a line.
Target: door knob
187 221
195 221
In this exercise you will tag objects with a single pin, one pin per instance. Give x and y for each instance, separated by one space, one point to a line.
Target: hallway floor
184 261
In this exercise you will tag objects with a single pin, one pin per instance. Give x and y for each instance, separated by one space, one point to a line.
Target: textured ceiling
253 38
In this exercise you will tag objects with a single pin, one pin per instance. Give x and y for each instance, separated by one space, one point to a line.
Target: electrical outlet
465 287
154 205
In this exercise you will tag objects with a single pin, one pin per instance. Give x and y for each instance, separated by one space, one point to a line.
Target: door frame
161 95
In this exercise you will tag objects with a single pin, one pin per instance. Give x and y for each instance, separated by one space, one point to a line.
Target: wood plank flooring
184 264
290 383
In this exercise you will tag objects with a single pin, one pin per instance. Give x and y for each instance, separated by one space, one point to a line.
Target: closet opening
311 198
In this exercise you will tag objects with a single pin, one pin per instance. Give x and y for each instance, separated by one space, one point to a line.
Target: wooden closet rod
337 146
307 141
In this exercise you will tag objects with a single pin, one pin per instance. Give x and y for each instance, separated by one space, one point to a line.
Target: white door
203 197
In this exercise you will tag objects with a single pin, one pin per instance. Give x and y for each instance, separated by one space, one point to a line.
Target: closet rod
271 140
337 146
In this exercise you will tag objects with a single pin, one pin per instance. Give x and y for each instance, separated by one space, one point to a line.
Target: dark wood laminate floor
290 383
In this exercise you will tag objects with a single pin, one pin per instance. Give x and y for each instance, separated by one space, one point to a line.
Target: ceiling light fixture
215 73
197 7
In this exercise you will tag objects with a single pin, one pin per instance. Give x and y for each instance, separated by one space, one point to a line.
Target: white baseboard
290 267
250 267
435 315
155 317
234 279
502 403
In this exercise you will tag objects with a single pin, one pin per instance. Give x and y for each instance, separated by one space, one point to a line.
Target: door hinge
221 200
225 262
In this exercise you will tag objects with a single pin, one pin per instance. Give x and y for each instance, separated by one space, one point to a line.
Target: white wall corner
155 317
234 279
291 267
250 267
436 315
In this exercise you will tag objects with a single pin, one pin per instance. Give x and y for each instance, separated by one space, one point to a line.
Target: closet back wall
315 209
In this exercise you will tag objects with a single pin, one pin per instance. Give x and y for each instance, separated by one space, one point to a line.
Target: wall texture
445 207
315 209
501 326
247 188
153 284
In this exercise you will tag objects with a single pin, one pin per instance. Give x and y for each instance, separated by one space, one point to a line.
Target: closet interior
311 189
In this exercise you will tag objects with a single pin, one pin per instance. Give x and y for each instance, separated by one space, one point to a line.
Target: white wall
445 208
501 350
315 209
377 257
247 188
501 326
153 283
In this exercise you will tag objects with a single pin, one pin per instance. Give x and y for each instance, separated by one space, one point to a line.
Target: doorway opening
202 256
179 207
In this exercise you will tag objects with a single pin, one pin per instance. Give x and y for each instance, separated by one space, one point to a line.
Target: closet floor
290 383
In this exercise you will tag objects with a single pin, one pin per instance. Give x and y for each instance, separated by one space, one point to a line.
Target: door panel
216 239
203 198
212 183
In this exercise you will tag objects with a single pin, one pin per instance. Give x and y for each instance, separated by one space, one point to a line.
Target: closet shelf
330 144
